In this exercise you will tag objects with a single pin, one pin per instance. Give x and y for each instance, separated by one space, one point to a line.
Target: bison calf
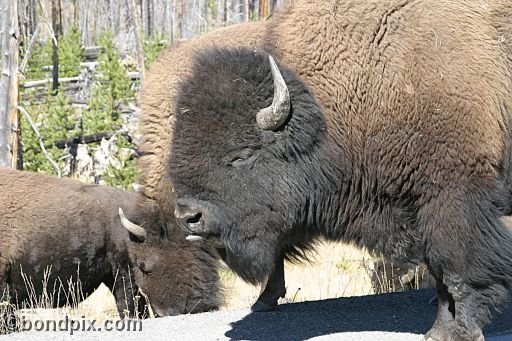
74 230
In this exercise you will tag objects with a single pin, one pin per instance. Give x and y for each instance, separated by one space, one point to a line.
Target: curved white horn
273 117
134 229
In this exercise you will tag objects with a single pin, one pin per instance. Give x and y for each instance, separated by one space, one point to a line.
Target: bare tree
33 15
57 28
225 13
246 10
84 27
135 20
9 84
206 15
170 19
113 15
75 12
144 15
263 9
151 18
273 5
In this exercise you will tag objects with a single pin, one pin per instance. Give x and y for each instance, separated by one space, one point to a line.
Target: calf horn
273 117
134 229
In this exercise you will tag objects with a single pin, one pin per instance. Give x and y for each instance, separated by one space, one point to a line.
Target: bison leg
274 289
445 322
468 247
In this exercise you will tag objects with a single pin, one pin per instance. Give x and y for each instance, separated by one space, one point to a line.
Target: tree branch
24 62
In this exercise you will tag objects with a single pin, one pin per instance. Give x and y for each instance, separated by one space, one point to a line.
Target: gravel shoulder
393 317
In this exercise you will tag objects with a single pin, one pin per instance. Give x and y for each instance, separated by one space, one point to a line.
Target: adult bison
74 231
394 135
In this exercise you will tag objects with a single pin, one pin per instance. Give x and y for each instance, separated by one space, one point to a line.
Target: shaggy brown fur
413 158
75 229
407 276
157 101
320 64
416 50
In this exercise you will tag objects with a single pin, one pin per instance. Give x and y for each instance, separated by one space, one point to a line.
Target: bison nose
189 218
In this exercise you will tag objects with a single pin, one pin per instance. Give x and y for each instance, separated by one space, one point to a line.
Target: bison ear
274 116
133 228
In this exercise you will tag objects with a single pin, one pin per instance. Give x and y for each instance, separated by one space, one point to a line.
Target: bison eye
244 159
144 268
242 162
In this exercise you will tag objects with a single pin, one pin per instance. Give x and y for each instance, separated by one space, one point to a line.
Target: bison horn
134 229
273 117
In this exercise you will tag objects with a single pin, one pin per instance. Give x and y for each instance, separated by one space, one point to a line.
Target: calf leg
274 289
468 248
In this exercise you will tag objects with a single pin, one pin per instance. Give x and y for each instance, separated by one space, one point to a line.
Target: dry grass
338 270
99 306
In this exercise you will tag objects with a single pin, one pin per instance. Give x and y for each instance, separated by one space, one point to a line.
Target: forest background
80 65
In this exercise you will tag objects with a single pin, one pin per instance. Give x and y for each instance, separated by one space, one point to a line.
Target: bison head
173 275
176 277
246 142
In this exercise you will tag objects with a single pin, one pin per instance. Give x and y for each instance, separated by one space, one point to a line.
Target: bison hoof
261 306
438 333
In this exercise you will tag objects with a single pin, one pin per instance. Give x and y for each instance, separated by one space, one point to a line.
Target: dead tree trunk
143 15
135 20
9 126
273 6
263 9
170 20
225 13
246 11
56 26
180 13
85 27
75 12
150 17
206 16
146 7
253 8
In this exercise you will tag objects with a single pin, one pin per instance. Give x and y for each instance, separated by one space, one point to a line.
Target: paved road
389 317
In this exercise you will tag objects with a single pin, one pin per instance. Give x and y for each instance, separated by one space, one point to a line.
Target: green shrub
55 120
71 53
53 115
109 94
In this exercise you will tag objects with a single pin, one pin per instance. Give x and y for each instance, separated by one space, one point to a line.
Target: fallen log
42 82
83 139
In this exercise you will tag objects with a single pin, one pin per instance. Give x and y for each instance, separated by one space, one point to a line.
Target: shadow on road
407 312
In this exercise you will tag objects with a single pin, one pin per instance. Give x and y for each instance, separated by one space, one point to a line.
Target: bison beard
275 189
